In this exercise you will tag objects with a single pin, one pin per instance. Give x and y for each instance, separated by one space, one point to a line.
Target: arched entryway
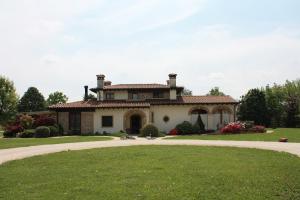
199 112
134 120
135 124
221 116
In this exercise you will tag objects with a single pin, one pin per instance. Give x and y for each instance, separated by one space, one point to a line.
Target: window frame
109 96
107 126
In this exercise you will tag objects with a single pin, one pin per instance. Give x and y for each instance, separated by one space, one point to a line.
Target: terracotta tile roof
98 104
195 100
135 86
92 104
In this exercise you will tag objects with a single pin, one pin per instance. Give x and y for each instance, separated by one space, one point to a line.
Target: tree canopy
253 107
32 100
187 92
8 100
215 92
56 97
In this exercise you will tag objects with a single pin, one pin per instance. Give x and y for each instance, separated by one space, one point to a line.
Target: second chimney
86 92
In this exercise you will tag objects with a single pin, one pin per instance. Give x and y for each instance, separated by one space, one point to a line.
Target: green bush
185 128
149 130
53 131
196 128
60 129
42 132
28 133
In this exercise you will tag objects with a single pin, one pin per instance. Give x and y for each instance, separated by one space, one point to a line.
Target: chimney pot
86 92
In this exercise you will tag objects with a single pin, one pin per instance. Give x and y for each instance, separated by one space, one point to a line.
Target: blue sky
236 45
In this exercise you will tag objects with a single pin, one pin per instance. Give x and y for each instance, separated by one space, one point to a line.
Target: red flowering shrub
26 121
258 129
234 127
174 131
44 121
12 130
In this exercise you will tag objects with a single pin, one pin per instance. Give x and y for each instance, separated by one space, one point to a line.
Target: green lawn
22 142
154 172
293 134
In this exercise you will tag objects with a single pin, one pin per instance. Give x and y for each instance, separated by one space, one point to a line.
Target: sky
60 45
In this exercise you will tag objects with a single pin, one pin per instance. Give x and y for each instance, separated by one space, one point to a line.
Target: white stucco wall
176 113
118 119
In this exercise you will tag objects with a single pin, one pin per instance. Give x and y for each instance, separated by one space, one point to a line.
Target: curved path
24 152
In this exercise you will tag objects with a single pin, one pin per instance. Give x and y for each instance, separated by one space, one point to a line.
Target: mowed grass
23 142
154 172
293 135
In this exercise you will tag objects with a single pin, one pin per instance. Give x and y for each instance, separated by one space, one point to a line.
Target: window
157 94
107 121
109 96
152 117
135 96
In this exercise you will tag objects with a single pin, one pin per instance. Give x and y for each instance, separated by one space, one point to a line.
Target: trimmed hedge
42 132
184 128
53 131
28 133
149 130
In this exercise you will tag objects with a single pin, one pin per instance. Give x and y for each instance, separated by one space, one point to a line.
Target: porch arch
128 115
221 116
199 111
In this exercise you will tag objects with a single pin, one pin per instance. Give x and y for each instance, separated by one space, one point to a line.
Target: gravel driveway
24 152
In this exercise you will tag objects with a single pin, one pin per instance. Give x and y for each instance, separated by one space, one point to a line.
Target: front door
75 122
135 124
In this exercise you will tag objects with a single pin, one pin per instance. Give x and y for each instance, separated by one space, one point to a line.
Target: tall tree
8 100
291 105
253 107
90 97
56 97
215 92
187 92
32 100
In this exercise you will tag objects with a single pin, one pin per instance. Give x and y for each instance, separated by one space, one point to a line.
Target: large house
129 107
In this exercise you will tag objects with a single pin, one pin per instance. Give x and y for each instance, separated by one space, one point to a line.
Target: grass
154 172
293 135
22 142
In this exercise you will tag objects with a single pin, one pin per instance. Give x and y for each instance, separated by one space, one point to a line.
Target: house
129 107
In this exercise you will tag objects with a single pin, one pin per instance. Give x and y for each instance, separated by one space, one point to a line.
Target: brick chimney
86 94
106 83
172 84
100 86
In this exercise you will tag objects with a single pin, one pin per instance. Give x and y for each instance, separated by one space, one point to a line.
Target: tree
186 92
292 103
253 107
215 92
90 97
56 97
8 100
31 101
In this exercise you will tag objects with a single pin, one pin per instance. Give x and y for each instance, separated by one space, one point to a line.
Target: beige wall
63 119
180 113
118 119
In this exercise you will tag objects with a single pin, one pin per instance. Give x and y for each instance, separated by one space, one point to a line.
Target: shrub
258 129
174 131
12 130
28 133
53 131
26 121
248 124
149 130
184 128
196 128
42 132
44 121
234 127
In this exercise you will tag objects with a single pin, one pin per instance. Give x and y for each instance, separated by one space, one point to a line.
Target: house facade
129 107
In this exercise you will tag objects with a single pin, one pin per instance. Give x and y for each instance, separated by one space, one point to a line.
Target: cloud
62 45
